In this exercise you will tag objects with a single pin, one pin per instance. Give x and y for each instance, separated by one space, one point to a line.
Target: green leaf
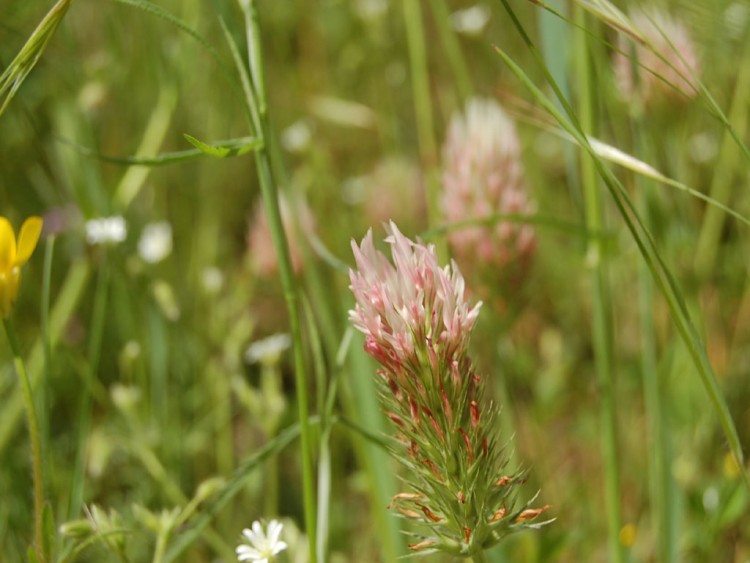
225 148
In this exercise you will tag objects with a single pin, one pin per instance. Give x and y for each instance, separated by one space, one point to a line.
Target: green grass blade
255 89
230 489
230 147
160 12
22 65
646 245
225 149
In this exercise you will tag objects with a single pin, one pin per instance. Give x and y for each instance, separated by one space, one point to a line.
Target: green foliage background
121 82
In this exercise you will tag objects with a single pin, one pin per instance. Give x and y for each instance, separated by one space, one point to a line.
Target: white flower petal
274 531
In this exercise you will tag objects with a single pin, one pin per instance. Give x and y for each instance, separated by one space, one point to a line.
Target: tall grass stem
49 250
36 446
259 115
601 311
657 406
644 240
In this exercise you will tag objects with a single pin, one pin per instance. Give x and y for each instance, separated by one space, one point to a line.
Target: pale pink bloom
297 223
482 177
644 75
411 305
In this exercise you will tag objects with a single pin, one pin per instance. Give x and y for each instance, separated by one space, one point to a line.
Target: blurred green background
147 392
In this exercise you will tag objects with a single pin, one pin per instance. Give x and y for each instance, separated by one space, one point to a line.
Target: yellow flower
12 257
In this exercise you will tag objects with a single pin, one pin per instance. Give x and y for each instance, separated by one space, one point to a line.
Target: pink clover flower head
662 68
410 304
263 546
483 176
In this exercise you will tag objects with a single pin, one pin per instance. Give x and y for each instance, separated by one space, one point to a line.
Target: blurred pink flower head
410 305
482 177
297 220
661 69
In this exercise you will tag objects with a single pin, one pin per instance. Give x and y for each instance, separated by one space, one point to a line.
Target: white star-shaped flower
263 546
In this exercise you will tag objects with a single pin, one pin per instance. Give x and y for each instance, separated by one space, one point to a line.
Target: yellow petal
7 245
27 239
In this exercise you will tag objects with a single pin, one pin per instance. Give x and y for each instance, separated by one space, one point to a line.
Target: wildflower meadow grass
325 281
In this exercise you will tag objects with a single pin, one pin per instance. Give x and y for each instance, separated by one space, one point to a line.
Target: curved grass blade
232 487
160 12
26 59
643 239
223 149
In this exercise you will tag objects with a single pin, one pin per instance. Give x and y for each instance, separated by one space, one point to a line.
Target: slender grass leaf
160 12
233 147
643 239
222 150
20 67
232 487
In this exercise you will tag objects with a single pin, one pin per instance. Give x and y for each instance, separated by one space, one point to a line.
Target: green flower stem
256 100
36 446
602 318
161 545
479 557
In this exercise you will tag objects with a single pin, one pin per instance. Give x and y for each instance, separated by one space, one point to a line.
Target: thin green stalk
654 396
270 377
642 237
479 557
420 79
67 299
256 101
161 545
36 447
602 319
46 345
